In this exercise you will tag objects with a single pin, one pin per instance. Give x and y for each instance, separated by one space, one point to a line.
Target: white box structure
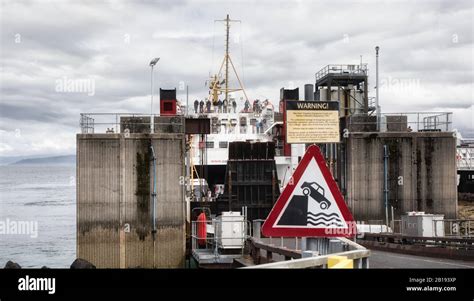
230 230
422 224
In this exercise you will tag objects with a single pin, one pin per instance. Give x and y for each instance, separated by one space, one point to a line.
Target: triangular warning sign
311 204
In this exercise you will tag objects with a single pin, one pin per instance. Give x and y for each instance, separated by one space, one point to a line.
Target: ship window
209 144
223 144
216 129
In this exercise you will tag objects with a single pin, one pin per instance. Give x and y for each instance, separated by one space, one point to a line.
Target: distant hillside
71 159
10 160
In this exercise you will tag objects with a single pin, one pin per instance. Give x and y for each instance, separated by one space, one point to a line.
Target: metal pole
151 108
187 100
227 59
377 106
418 122
385 182
257 228
393 220
303 244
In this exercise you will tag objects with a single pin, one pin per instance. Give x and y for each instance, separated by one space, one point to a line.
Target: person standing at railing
201 107
196 105
225 104
246 106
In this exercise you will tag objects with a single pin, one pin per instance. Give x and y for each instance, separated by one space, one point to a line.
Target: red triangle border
313 151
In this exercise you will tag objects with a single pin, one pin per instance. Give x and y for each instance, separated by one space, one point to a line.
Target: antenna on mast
225 63
227 29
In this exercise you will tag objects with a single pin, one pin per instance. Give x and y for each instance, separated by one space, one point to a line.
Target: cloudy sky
426 61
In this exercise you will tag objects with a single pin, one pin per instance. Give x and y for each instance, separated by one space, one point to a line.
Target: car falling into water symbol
315 191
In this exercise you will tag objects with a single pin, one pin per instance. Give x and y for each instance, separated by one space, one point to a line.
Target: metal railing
374 222
87 124
215 241
441 121
307 252
342 69
461 228
458 228
396 226
114 123
403 122
314 262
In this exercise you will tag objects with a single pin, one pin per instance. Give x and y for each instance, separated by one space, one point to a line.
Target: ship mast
215 85
227 28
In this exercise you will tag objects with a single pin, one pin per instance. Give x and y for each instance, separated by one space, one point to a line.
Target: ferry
232 119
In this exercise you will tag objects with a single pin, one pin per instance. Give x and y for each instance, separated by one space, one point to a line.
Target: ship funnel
308 92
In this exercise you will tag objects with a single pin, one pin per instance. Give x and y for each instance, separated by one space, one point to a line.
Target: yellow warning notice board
312 121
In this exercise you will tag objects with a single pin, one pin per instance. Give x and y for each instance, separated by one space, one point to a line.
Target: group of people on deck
223 106
257 106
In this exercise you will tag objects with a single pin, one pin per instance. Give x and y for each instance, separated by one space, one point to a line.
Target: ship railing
113 123
336 69
402 122
465 158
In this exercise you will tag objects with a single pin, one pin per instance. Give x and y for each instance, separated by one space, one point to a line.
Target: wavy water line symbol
336 220
332 219
324 224
323 214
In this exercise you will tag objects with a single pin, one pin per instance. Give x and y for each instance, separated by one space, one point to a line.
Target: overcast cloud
426 56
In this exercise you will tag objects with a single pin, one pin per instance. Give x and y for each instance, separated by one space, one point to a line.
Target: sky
62 58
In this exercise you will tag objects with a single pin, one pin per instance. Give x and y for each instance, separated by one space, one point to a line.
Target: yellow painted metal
340 262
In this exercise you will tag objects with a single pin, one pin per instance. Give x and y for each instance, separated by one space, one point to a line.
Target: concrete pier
421 173
114 200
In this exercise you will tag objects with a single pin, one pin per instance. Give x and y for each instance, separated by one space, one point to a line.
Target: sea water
38 215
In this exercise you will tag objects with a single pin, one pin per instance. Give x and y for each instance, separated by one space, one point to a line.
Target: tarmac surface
388 260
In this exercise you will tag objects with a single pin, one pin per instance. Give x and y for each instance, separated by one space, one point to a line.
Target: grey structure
421 173
115 205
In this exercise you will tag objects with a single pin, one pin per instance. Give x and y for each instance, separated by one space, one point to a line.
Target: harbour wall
114 204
